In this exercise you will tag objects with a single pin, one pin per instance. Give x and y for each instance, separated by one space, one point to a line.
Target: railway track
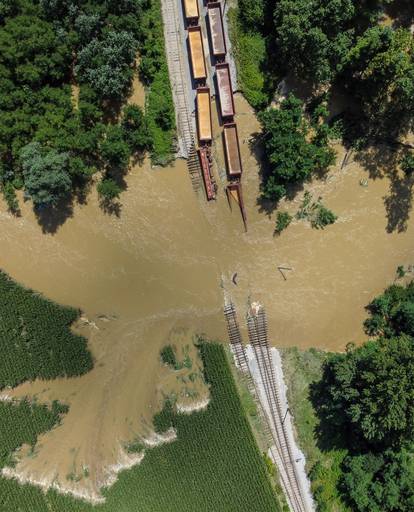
178 75
257 329
273 416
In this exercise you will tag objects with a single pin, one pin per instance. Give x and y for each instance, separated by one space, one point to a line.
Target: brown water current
160 269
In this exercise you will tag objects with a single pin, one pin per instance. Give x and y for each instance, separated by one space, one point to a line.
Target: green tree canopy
31 52
105 64
294 149
45 174
379 70
380 482
114 149
369 392
392 313
135 129
313 37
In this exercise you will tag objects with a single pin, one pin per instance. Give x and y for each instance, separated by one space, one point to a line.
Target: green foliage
31 53
114 149
135 129
283 219
369 392
301 370
108 189
381 65
313 37
21 423
400 271
154 71
105 65
407 162
45 173
168 356
252 14
292 154
9 194
43 44
392 313
35 337
380 482
314 211
249 48
213 465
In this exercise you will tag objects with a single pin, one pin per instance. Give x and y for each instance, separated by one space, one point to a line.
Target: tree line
329 46
365 402
66 68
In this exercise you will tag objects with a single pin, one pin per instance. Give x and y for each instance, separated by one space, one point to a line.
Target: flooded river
161 268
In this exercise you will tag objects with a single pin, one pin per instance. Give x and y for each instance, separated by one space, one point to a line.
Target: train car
225 90
215 20
204 127
205 163
198 63
232 150
191 11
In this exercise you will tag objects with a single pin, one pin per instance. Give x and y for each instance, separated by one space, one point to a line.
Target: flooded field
159 270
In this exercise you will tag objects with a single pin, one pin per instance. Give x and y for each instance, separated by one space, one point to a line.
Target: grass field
35 337
300 369
214 465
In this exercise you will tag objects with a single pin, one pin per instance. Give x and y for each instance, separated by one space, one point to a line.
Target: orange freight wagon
232 150
191 10
195 42
203 114
215 20
225 90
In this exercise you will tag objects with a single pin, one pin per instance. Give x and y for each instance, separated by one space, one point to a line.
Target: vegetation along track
178 75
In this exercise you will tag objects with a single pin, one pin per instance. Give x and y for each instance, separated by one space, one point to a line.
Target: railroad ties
268 403
178 75
257 329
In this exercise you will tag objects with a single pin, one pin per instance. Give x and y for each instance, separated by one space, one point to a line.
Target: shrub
108 189
283 219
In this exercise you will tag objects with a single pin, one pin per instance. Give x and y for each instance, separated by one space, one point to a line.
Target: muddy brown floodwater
161 267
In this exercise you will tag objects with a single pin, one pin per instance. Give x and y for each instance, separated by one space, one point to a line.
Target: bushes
392 313
108 189
35 337
135 129
250 53
154 70
168 356
283 219
318 215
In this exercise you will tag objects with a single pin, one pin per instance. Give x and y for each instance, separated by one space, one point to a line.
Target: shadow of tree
332 432
382 161
110 207
398 203
401 12
51 218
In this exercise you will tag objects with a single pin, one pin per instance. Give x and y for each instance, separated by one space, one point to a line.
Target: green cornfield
213 466
35 337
